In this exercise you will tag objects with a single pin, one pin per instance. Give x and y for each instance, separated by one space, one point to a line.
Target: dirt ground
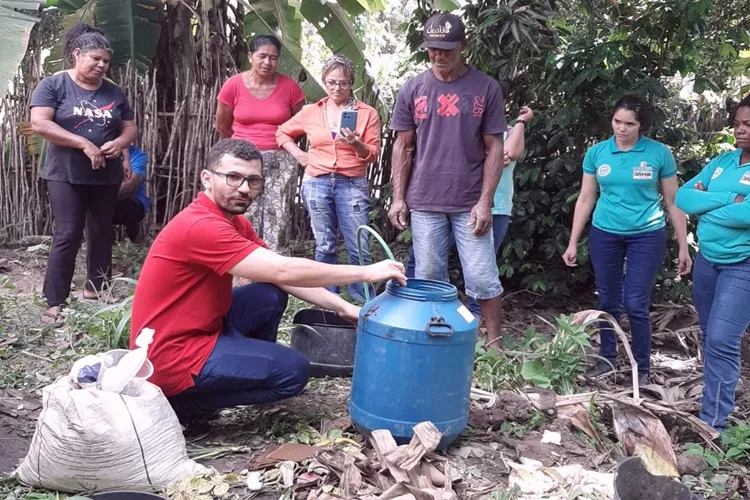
32 356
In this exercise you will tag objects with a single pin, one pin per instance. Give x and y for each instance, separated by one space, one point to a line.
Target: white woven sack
92 440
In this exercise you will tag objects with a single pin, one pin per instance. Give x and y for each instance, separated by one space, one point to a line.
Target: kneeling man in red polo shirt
215 346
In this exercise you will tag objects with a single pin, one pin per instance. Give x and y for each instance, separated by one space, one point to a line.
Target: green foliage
519 429
571 63
511 494
131 26
130 258
494 370
712 458
15 31
282 18
108 327
736 439
5 302
555 363
538 360
133 29
736 442
11 489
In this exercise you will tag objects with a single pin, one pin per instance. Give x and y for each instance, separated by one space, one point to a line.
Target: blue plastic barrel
414 361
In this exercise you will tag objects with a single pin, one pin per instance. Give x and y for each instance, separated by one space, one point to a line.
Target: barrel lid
423 290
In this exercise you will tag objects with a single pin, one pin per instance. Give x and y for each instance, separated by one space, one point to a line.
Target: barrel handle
436 323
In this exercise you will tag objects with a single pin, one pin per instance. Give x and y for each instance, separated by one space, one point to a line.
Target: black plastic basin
634 482
326 340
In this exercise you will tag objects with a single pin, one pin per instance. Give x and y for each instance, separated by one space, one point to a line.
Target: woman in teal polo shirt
720 195
629 225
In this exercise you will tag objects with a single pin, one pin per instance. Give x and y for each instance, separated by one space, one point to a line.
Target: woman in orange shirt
334 188
252 105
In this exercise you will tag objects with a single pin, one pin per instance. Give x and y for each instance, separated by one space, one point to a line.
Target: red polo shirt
184 290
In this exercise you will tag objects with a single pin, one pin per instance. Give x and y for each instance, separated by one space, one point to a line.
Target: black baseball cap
443 31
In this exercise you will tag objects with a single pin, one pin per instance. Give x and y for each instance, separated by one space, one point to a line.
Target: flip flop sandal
52 319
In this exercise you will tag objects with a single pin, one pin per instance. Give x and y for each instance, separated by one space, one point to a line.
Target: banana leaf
263 18
333 22
133 29
85 14
15 31
131 26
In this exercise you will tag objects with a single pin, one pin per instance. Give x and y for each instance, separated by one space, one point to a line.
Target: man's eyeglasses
236 180
332 84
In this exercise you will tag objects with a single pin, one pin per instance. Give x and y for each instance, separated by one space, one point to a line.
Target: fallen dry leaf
643 434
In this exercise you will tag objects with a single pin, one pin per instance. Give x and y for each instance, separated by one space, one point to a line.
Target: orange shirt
326 154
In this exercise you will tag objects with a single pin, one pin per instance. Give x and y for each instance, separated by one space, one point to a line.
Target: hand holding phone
348 120
349 136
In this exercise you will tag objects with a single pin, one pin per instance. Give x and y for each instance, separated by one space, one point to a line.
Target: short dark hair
642 109
238 148
259 41
86 38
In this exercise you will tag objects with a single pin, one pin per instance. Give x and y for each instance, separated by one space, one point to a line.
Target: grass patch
107 326
11 489
129 257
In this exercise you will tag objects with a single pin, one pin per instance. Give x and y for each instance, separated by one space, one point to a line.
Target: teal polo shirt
503 201
629 201
724 226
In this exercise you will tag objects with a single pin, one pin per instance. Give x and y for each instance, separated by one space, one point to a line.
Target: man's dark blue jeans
721 293
247 366
641 255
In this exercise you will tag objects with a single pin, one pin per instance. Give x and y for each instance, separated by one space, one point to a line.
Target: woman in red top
251 106
334 188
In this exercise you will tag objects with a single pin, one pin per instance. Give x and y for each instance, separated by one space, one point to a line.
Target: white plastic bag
90 440
116 378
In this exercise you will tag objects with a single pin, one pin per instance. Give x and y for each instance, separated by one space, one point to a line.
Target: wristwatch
525 123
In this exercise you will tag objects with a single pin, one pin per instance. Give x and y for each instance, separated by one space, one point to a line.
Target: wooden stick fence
176 134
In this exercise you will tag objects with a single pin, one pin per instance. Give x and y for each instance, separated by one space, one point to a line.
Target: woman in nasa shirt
629 226
87 122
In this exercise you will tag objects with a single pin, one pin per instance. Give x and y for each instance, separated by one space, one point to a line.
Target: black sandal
52 319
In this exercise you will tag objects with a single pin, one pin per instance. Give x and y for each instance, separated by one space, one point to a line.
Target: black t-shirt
96 115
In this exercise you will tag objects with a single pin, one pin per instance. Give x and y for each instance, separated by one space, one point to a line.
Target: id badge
643 172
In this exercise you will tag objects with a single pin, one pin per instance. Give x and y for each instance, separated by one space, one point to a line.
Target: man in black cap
453 116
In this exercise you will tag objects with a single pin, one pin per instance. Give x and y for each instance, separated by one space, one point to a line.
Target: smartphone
349 120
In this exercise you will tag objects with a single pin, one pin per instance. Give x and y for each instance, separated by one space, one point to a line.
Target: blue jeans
432 233
247 366
644 254
338 203
721 293
499 229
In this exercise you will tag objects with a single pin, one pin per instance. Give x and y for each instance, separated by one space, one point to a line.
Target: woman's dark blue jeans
721 293
247 366
625 268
